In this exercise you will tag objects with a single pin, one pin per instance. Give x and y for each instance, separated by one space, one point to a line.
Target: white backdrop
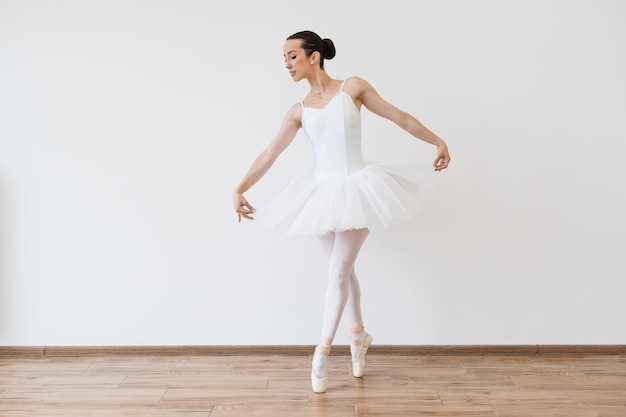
125 125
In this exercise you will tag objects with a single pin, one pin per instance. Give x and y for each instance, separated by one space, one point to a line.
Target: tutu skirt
375 197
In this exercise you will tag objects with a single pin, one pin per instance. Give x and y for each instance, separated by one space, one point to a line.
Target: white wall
125 125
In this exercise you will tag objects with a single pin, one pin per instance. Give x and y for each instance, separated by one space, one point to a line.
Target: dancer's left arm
365 94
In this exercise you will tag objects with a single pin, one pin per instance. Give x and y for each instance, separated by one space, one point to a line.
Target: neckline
329 101
325 105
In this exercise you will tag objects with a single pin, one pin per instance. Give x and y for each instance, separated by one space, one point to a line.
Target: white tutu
375 197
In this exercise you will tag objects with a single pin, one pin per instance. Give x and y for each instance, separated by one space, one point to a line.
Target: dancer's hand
242 207
443 157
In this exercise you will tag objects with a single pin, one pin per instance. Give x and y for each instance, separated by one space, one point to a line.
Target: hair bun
329 49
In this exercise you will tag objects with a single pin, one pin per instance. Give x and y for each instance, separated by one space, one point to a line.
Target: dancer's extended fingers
249 206
245 211
245 216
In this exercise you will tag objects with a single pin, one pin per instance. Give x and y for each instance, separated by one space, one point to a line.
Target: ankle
357 335
324 347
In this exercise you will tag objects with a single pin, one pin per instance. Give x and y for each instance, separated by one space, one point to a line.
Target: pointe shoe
319 383
358 364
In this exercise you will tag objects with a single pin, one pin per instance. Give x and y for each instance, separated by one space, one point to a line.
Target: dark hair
311 42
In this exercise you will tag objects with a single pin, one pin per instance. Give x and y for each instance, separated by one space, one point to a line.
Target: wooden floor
264 386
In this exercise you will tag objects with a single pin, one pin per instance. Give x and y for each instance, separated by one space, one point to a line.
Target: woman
343 197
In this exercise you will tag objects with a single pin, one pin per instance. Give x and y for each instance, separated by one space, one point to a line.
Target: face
296 61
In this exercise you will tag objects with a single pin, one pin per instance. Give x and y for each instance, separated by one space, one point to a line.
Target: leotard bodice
335 134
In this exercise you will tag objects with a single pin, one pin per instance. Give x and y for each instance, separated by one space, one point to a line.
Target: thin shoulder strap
342 84
302 103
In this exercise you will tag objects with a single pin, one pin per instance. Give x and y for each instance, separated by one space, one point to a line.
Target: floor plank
279 385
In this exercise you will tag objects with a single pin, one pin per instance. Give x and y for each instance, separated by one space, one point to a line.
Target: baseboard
406 350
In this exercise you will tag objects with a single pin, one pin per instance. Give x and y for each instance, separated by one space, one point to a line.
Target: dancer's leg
352 311
320 357
343 285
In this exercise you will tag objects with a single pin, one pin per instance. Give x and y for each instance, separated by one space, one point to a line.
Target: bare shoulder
356 84
294 115
294 112
359 89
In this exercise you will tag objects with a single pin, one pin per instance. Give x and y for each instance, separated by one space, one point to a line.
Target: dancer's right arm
263 162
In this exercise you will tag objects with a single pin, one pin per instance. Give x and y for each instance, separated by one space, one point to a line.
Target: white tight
343 294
